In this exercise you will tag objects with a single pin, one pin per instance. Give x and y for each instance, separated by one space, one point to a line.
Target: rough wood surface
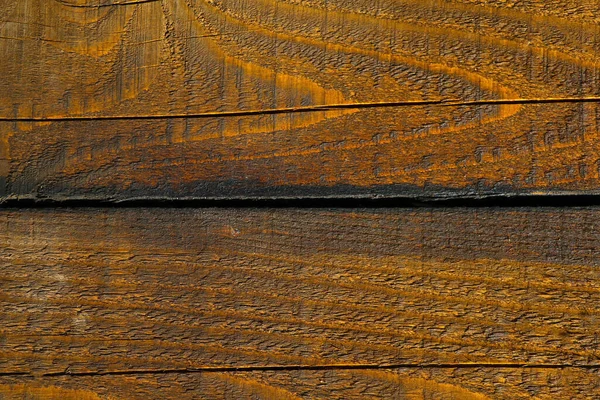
69 59
410 384
437 303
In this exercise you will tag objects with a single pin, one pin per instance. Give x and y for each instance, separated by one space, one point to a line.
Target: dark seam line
124 3
309 109
374 202
222 114
328 367
30 38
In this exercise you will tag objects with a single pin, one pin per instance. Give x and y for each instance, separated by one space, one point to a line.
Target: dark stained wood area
94 97
290 303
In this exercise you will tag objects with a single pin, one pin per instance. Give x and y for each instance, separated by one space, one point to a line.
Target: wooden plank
411 384
70 59
95 291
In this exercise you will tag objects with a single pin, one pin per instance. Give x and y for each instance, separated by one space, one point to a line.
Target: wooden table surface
299 199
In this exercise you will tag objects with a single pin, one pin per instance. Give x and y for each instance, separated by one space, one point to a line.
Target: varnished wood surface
71 59
428 303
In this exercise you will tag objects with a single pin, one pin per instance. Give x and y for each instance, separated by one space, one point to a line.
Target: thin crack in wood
247 368
124 3
306 109
29 38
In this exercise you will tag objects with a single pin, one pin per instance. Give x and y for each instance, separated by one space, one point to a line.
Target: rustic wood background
151 102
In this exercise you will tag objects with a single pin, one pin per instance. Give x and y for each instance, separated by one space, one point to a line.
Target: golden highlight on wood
72 59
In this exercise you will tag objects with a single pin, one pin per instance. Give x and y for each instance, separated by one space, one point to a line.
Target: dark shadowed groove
499 201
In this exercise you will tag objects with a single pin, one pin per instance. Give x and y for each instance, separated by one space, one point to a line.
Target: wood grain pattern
73 58
410 384
436 303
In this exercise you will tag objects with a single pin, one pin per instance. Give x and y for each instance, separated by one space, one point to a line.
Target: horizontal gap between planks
499 201
258 368
310 109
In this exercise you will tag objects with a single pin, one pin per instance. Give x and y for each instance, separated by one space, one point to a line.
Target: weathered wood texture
405 383
462 298
68 58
